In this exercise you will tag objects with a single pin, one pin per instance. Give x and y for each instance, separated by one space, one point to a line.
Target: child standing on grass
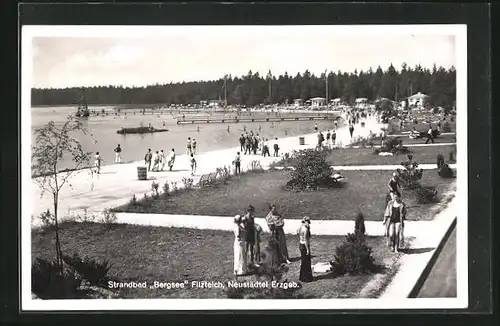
193 164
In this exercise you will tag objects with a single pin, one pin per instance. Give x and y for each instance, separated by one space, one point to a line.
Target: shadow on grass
376 269
412 251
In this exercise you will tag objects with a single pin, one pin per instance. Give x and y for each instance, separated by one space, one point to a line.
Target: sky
95 57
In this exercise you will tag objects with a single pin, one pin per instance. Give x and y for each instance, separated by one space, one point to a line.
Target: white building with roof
418 100
318 101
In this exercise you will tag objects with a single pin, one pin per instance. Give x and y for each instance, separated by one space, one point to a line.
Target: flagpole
326 90
225 91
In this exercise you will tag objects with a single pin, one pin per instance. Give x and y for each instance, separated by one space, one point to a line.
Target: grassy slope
364 190
151 254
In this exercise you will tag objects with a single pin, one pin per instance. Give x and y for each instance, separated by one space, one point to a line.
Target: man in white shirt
429 136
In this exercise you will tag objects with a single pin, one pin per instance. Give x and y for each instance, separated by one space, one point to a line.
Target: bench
204 180
212 178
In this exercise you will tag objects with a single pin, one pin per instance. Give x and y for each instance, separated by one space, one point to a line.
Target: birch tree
55 143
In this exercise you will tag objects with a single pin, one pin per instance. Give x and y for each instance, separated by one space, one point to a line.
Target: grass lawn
148 254
365 156
363 190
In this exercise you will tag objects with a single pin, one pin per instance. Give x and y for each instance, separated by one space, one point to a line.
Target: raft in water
139 130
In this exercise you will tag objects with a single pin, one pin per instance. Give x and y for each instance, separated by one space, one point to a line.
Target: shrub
85 217
426 194
310 170
108 217
353 256
48 283
174 186
133 201
256 166
446 172
440 160
154 187
91 270
47 219
188 183
359 225
166 189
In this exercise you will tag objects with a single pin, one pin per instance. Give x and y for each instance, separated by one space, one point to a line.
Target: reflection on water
208 136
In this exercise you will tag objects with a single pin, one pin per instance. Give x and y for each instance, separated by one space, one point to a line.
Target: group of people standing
156 161
331 138
251 143
247 243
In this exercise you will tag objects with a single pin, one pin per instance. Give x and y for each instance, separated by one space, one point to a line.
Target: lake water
209 137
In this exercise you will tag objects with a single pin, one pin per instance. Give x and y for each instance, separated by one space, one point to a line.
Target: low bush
90 270
108 217
188 183
440 160
446 172
359 225
426 194
166 189
48 283
155 188
133 201
85 217
353 256
310 170
47 219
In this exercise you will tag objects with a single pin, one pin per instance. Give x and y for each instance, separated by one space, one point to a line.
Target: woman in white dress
240 255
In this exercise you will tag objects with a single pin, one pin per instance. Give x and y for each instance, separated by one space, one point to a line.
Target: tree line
253 89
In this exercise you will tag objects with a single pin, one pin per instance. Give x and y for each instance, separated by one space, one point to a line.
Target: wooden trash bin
142 173
302 140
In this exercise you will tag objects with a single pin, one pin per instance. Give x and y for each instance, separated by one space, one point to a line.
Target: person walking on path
321 138
118 154
316 127
193 146
171 160
189 148
430 135
242 142
98 162
265 148
334 137
240 255
394 186
394 217
276 147
351 129
237 164
328 139
248 145
305 250
276 221
147 159
162 160
250 234
192 160
156 162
